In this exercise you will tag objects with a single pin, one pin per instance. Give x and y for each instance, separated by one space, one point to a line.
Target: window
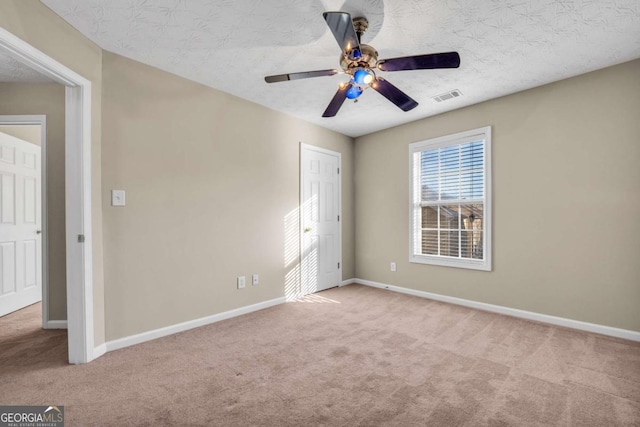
451 200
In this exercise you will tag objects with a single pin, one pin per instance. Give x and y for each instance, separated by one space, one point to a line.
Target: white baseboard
99 350
55 324
185 326
347 282
538 317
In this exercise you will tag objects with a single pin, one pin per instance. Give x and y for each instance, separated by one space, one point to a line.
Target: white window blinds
450 211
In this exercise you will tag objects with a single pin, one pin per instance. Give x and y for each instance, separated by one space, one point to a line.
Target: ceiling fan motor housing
368 59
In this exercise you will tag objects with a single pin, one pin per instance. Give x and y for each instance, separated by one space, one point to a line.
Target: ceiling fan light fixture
353 92
363 77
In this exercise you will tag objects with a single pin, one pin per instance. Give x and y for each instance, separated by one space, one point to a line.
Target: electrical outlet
255 280
393 266
241 282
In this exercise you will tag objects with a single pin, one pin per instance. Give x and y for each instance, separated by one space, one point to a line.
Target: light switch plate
117 198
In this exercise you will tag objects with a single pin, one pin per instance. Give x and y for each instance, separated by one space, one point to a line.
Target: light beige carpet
352 356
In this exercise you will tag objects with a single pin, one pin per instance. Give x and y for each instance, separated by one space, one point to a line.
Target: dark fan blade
421 62
337 101
301 75
393 94
341 26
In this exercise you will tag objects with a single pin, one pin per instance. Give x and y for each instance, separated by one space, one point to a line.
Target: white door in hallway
320 211
20 224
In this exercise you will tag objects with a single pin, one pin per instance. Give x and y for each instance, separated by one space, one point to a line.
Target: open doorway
23 278
77 190
48 264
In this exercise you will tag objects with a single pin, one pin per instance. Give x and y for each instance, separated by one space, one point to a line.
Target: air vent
448 95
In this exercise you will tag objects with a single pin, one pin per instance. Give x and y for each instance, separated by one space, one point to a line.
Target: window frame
415 191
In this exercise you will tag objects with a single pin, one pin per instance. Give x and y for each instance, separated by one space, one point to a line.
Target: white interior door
320 219
20 222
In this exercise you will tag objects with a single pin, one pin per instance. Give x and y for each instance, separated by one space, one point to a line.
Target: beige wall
210 181
36 24
29 133
48 100
566 180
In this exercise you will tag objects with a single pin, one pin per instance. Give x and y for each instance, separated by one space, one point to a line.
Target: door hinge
338 266
338 217
80 238
338 171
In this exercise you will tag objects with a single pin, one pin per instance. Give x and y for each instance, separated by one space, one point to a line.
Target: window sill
483 265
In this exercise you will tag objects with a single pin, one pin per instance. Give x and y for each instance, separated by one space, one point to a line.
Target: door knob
307 229
38 231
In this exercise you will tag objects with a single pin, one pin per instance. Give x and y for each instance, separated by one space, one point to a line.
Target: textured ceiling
505 46
12 71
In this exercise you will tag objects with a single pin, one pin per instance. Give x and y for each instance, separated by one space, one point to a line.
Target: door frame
40 120
79 250
309 147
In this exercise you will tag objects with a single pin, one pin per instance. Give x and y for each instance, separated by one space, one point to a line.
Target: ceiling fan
360 62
